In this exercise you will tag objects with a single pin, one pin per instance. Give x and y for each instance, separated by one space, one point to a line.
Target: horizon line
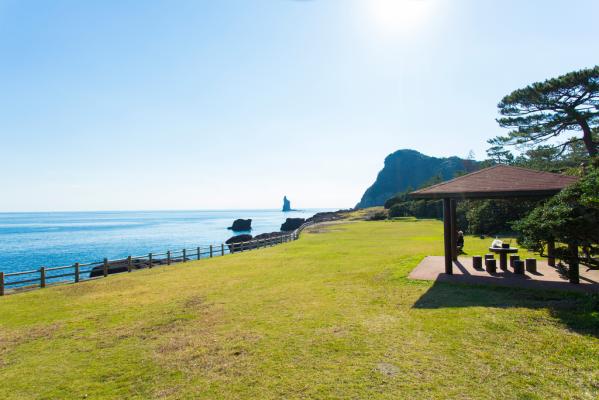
170 210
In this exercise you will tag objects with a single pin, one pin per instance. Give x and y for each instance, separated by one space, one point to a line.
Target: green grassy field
329 316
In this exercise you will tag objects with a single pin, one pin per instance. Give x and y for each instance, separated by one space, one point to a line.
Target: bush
494 216
397 199
378 216
399 210
418 209
570 217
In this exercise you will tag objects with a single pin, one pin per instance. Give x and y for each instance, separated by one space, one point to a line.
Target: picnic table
503 252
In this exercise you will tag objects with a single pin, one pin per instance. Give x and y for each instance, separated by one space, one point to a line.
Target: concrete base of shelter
432 268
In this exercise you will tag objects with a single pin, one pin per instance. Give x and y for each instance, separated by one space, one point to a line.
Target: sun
399 16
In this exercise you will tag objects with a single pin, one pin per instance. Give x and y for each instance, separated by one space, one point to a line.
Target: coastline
32 240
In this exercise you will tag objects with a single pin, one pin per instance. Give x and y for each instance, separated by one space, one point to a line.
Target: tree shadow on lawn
578 312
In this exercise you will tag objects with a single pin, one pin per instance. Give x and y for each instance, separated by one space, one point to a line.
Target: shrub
378 216
570 217
494 216
400 210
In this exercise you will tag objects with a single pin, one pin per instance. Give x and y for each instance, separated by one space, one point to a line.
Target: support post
199 252
454 231
168 257
184 255
551 253
222 249
447 236
1 283
150 260
210 251
573 272
105 269
77 272
129 264
43 277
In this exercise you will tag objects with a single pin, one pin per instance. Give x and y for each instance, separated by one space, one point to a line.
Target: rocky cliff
407 169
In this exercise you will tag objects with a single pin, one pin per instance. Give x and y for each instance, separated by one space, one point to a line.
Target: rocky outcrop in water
241 225
292 224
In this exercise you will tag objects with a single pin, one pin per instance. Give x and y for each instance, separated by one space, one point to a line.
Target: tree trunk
587 135
573 264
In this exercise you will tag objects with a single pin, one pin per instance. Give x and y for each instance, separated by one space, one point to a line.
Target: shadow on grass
578 312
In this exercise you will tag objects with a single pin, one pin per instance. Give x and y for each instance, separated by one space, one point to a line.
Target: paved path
432 268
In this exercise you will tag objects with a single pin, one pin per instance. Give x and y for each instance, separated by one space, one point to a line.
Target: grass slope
329 316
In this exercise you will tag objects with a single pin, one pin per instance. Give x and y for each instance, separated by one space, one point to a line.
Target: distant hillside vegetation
406 169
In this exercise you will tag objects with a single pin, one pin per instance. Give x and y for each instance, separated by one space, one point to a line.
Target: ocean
31 240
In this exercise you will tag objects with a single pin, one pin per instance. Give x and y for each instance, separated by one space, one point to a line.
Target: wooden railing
40 278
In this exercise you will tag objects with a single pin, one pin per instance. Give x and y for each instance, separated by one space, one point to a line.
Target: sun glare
399 16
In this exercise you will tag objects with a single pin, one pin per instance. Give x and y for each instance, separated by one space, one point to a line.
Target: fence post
76 272
184 255
43 277
129 264
105 267
210 251
168 257
1 283
198 252
222 249
150 260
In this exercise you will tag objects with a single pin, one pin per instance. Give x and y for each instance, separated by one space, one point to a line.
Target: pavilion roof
498 181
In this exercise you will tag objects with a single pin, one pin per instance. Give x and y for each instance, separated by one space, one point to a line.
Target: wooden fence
40 278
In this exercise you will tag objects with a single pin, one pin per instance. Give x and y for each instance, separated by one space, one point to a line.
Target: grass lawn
329 316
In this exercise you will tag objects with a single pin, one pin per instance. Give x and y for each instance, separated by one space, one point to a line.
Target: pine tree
554 108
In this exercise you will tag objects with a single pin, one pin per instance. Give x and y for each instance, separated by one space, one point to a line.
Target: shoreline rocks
234 243
292 224
118 266
268 235
328 216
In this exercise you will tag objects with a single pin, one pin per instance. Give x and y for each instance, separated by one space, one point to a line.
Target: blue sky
121 105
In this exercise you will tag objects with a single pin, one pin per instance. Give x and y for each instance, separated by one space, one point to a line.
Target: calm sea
31 240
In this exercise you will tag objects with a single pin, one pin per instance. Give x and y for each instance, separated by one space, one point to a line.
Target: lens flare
399 16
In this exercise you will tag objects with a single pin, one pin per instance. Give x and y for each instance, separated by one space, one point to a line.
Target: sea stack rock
292 224
241 225
286 204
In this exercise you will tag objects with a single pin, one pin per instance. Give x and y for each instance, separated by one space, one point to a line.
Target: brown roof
498 181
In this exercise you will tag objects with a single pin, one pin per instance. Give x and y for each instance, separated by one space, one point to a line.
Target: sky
151 105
